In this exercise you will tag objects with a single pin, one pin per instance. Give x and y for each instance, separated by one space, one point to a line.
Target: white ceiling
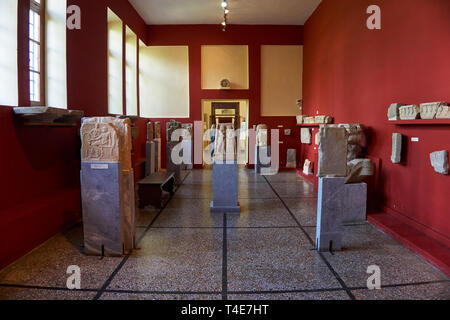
275 12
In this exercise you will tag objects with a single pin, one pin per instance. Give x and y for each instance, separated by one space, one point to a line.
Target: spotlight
227 11
224 4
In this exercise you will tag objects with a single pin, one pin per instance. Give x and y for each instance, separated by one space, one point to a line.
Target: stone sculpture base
225 188
170 166
338 204
150 164
101 192
264 151
157 154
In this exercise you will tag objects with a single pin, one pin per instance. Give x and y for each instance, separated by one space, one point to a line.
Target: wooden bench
151 188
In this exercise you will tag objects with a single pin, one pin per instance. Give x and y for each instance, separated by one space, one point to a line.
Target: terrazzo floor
265 253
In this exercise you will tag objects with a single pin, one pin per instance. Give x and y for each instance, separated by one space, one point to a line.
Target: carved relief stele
123 126
100 142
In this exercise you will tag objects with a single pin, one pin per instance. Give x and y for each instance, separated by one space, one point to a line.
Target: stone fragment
317 139
359 170
305 134
172 126
300 119
394 111
291 158
157 130
150 131
332 152
323 119
410 112
443 112
261 135
439 161
430 110
309 120
397 140
307 168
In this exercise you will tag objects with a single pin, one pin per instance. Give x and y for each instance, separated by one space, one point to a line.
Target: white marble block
225 188
439 161
333 152
394 111
305 136
396 156
291 159
443 112
430 110
410 112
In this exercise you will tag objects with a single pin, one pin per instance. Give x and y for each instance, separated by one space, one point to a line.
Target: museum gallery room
225 150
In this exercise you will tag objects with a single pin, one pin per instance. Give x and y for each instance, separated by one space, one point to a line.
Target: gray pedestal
225 188
150 164
338 204
261 152
171 167
157 154
102 220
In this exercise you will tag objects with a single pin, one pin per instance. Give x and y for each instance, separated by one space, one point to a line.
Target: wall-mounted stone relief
396 156
394 111
439 161
410 112
305 136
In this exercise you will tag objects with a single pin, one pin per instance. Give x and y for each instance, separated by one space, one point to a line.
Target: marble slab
225 188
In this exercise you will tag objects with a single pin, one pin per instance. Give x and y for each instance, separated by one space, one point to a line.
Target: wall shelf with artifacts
420 122
47 116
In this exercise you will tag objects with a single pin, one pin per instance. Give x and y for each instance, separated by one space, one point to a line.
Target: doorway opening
235 112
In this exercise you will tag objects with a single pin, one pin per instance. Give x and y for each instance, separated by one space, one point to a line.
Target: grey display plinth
171 167
150 164
338 204
157 154
261 152
104 232
225 188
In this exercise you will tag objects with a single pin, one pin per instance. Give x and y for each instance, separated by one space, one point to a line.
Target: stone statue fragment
394 111
396 156
439 161
410 112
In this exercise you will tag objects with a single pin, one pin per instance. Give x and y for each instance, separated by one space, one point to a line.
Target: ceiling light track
226 11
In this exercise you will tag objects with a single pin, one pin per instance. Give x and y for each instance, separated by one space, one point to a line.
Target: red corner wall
195 36
354 74
40 192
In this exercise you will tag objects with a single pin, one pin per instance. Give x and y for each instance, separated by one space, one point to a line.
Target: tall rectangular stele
107 186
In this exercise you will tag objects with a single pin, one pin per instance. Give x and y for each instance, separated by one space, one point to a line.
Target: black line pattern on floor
224 293
336 275
149 292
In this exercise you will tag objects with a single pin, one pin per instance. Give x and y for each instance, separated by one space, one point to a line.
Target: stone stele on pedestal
107 187
225 188
332 152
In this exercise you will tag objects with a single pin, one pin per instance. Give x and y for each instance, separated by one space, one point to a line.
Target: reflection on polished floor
266 252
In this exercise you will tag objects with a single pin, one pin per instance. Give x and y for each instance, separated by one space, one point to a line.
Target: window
115 65
131 72
8 53
55 53
36 52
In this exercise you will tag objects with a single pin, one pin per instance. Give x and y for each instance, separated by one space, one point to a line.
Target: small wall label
99 166
415 139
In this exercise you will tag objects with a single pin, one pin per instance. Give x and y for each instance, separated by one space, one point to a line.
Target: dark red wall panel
354 74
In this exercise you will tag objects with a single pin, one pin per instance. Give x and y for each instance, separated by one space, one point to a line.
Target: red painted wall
40 192
354 74
195 36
